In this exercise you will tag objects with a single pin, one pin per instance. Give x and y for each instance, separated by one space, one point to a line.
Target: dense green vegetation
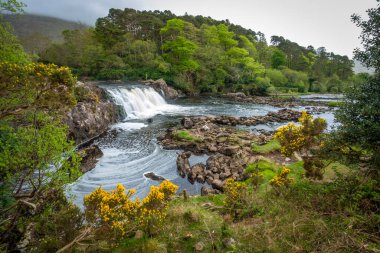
197 54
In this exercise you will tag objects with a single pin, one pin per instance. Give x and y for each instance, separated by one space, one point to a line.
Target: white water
141 103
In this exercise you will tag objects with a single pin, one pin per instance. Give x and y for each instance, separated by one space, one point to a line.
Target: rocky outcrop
270 100
215 134
229 148
92 115
89 156
197 173
161 87
282 115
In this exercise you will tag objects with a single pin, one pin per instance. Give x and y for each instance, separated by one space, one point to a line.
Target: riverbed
131 149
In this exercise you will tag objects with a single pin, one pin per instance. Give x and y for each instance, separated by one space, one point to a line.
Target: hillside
29 24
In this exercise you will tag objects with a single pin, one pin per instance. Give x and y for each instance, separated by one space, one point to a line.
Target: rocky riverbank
229 148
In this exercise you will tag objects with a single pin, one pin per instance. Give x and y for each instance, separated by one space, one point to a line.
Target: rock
161 87
139 234
212 147
187 123
90 119
183 164
235 95
197 172
206 191
199 246
90 156
217 184
229 243
230 150
153 176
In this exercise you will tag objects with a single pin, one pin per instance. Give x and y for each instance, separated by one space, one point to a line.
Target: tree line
196 54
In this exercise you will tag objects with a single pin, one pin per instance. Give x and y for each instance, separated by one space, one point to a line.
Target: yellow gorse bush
116 214
39 86
305 138
236 196
281 179
294 137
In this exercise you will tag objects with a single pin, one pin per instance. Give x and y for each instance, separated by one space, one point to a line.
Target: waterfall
139 103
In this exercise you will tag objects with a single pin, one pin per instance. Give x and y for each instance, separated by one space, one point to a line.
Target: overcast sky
307 22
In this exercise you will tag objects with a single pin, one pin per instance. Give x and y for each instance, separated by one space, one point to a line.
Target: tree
278 59
370 37
12 6
35 157
10 47
360 114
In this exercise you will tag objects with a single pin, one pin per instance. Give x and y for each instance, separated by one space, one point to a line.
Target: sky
308 22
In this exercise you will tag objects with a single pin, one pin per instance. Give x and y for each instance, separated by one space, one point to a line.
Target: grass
303 218
271 146
334 104
187 223
185 135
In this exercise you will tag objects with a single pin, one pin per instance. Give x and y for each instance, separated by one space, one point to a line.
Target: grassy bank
308 216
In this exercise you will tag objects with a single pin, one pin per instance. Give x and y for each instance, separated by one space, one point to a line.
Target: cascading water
130 149
140 103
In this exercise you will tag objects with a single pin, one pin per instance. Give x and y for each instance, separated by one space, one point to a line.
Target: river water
130 147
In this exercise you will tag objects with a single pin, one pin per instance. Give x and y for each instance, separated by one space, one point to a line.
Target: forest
195 54
302 187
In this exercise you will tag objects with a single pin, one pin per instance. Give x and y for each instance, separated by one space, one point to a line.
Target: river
130 147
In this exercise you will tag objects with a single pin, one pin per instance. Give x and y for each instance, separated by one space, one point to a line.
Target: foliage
195 54
13 6
236 197
370 38
281 179
10 47
35 87
359 117
305 138
278 59
115 215
35 156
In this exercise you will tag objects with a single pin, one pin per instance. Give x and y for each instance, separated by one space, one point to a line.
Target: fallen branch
77 239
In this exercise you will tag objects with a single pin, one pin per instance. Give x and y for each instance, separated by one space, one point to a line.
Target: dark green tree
360 114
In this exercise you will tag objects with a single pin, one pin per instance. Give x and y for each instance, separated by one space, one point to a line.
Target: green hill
37 32
28 24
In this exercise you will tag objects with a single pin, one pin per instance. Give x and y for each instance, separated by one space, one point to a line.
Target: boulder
153 176
197 172
231 150
92 115
161 87
183 164
187 123
90 156
206 191
218 184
